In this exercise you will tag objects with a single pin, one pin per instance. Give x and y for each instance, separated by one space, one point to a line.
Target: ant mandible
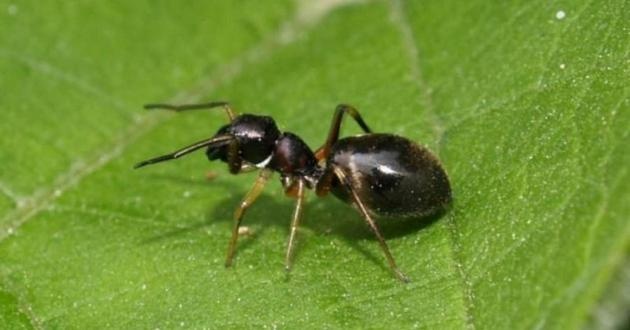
380 174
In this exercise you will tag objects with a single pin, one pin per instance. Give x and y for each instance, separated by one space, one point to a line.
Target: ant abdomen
392 175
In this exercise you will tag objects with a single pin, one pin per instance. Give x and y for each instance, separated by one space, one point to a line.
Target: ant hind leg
368 219
333 134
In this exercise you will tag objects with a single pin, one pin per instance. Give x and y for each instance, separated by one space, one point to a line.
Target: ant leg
216 141
325 183
184 107
297 214
247 168
247 201
234 160
390 259
333 134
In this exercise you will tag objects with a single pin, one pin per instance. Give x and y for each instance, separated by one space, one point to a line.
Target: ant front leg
247 201
234 160
199 106
333 134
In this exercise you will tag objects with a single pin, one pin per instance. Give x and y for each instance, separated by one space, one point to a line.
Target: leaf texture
525 103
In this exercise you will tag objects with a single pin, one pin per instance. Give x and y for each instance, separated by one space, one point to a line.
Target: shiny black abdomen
392 175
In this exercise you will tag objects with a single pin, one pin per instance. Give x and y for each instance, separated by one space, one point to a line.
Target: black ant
380 174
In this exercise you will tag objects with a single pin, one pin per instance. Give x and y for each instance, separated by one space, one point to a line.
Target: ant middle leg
295 221
199 106
247 201
335 127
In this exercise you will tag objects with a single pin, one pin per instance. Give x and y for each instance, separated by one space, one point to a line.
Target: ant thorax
292 158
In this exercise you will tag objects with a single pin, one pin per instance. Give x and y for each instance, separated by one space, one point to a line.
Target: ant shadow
324 216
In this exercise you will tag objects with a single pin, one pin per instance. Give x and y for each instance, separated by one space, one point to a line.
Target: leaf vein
9 193
42 198
23 305
51 71
399 19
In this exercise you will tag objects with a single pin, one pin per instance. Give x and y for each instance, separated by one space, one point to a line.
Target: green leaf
526 104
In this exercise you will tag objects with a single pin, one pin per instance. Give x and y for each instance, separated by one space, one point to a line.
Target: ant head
256 137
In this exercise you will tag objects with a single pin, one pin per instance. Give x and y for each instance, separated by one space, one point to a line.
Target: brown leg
235 161
297 214
184 107
247 201
390 259
325 183
333 134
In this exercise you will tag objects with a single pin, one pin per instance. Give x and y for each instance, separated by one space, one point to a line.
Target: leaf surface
526 104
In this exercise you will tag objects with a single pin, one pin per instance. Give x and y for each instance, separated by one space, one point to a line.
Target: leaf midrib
399 19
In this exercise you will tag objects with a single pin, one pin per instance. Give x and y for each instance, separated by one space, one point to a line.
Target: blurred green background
526 103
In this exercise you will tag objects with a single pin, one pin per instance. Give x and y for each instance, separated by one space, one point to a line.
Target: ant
380 174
